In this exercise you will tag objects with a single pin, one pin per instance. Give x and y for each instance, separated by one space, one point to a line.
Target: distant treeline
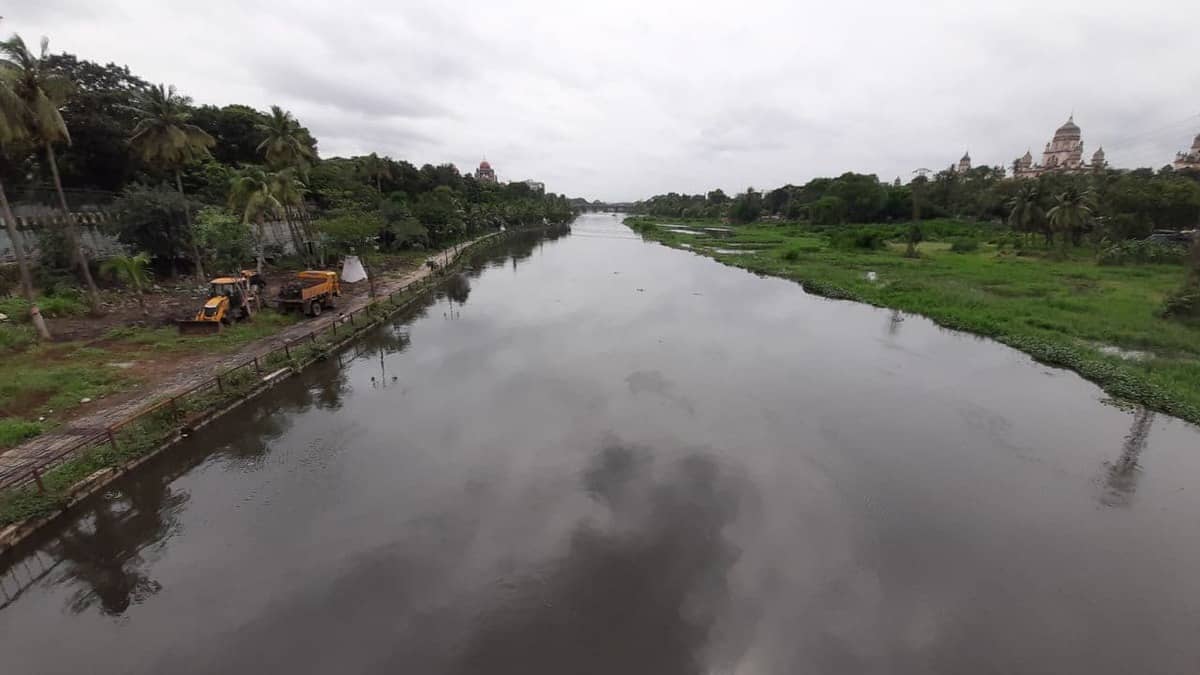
1126 204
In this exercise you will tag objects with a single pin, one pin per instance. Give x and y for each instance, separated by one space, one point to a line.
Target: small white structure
352 269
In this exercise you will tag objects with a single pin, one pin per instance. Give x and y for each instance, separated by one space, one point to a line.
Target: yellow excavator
230 299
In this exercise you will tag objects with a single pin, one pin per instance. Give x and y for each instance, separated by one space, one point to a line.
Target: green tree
14 117
236 129
746 207
97 115
1025 214
288 190
1072 211
376 169
165 137
439 211
287 144
226 240
151 219
915 236
252 197
43 91
133 272
401 227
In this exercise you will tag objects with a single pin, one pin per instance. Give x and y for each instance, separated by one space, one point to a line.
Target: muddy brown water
594 454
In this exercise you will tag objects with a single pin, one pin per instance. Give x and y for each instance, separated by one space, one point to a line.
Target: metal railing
228 387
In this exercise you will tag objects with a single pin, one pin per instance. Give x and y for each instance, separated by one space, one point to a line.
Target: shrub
13 431
964 245
14 337
1141 251
863 238
1183 303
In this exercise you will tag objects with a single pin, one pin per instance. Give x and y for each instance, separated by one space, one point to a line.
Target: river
594 454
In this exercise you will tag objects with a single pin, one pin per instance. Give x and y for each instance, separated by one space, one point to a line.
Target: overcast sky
622 99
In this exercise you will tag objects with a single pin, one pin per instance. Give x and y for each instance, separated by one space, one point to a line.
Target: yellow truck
311 291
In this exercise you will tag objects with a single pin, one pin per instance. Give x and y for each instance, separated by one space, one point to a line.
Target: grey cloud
623 99
370 99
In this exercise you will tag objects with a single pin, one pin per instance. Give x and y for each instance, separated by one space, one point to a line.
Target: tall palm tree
286 143
164 136
252 196
1025 209
375 168
132 270
43 90
1072 210
14 117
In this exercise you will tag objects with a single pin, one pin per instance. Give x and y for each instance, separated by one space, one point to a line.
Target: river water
594 454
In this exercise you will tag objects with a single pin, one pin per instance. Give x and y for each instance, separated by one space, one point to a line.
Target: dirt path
178 377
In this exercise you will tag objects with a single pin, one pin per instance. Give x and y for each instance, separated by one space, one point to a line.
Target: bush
1184 303
964 245
799 250
14 337
1141 251
13 431
226 241
863 238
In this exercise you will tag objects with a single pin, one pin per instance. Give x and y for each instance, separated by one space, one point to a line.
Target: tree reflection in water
103 551
1121 476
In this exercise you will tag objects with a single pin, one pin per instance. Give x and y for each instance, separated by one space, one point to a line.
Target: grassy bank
44 384
1100 321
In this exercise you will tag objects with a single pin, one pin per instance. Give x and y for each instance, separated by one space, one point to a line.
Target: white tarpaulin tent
352 270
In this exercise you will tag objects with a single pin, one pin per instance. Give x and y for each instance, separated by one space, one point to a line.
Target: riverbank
1100 321
140 434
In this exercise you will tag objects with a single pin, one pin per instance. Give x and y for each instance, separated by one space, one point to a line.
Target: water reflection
103 552
1121 476
664 544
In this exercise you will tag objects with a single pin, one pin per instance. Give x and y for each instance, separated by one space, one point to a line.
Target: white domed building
1189 160
1064 154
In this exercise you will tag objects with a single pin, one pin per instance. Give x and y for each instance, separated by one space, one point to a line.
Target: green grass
54 306
1060 312
168 339
50 380
13 431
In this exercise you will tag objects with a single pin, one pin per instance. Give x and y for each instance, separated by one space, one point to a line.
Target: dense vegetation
192 186
1124 204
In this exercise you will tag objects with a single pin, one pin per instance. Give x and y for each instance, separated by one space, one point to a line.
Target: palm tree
1025 209
14 117
43 90
289 192
376 169
286 143
252 195
1072 210
131 270
164 136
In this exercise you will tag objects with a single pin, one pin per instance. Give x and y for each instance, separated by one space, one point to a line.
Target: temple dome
485 165
1068 130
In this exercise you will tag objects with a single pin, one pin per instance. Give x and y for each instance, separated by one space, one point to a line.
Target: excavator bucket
192 327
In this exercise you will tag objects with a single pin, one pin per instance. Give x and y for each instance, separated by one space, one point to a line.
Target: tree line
194 185
1123 204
